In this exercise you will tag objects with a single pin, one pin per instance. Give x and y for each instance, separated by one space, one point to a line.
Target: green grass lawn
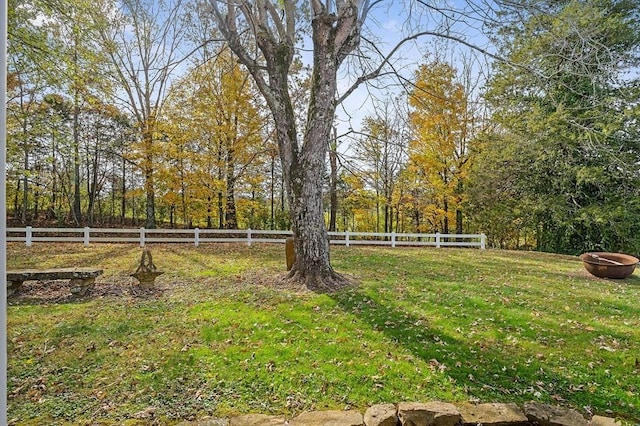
221 337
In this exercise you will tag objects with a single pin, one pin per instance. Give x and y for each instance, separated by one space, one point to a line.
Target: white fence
197 236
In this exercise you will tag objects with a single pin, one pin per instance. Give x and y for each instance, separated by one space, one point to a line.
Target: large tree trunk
335 34
312 265
303 171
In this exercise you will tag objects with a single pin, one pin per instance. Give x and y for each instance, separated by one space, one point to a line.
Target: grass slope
219 337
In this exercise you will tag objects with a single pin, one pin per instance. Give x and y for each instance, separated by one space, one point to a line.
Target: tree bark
445 228
273 216
25 188
312 265
123 200
220 211
335 34
230 216
149 184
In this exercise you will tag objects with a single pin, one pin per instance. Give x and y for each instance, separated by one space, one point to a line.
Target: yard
219 335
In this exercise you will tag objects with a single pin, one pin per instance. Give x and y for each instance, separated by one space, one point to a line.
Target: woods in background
134 116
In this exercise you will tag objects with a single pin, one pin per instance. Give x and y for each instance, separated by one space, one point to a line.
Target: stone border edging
434 413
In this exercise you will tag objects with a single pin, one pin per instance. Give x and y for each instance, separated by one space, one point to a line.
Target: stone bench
80 279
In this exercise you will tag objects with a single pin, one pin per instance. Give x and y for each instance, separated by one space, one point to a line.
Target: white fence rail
197 236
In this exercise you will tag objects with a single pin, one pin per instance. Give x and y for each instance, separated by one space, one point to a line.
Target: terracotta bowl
609 265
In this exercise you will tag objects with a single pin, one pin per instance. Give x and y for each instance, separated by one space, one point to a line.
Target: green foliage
221 337
565 154
442 127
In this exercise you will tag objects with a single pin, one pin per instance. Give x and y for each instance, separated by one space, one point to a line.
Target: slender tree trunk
220 195
183 204
377 208
230 207
101 212
387 216
273 216
150 200
25 188
114 185
93 188
445 228
209 218
77 213
148 169
220 211
16 200
123 189
36 196
51 214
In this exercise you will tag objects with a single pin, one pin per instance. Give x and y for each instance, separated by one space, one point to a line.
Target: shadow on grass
633 280
481 370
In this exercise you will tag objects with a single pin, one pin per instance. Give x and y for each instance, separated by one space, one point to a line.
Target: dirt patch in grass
123 286
59 291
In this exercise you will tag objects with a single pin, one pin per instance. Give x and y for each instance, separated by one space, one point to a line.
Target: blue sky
390 22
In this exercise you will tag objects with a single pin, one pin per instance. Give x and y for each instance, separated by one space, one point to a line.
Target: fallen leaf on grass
147 413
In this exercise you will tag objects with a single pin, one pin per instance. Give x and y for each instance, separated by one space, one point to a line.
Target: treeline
128 115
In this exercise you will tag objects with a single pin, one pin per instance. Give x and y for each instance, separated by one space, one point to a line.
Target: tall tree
82 62
442 124
568 123
273 28
263 34
57 39
381 152
216 133
146 42
29 79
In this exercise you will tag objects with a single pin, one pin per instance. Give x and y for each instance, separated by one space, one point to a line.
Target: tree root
319 282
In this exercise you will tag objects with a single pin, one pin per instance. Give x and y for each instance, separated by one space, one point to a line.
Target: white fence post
86 236
483 241
393 239
28 234
142 236
249 237
346 238
437 240
196 237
